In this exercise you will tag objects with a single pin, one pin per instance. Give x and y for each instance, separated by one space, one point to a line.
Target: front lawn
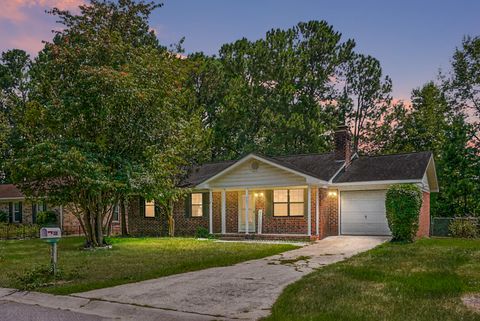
420 281
130 260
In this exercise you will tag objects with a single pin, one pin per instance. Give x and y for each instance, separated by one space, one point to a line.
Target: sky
413 39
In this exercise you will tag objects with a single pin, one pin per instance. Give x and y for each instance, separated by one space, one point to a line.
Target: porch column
246 211
317 217
224 212
210 212
309 210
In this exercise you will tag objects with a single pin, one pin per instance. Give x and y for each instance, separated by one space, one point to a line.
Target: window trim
14 211
196 204
116 208
288 202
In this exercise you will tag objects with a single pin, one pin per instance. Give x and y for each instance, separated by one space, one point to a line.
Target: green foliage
18 231
47 218
3 217
202 232
402 203
106 116
464 228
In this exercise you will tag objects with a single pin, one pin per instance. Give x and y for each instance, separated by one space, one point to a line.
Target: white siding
425 185
264 175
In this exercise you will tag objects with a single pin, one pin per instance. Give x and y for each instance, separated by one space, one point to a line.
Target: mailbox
50 233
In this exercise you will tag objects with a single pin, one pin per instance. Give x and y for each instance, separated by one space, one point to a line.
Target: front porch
300 213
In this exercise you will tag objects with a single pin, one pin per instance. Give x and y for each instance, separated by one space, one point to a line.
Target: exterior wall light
332 193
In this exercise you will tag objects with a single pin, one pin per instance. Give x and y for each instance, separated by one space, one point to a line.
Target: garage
363 213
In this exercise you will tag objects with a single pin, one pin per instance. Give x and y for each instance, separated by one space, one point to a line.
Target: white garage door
363 213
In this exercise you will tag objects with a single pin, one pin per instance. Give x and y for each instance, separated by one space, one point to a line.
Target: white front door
363 213
242 226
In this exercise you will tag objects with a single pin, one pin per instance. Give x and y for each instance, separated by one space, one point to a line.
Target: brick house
22 211
299 196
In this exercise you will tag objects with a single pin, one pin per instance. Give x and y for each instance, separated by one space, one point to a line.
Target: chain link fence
439 226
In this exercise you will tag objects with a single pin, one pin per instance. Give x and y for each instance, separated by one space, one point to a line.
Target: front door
242 226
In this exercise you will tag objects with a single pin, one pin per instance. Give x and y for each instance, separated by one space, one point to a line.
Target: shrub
202 232
403 203
463 227
3 217
47 218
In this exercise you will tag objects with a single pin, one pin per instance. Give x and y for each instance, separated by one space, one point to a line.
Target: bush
463 227
3 217
202 232
403 203
47 218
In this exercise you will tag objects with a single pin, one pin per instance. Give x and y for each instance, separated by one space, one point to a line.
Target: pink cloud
15 10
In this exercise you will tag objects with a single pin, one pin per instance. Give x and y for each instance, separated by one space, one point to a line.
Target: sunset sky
412 39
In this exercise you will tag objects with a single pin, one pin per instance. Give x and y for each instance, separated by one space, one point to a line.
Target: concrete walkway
243 291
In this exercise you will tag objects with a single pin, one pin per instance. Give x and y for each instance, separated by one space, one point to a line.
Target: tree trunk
123 217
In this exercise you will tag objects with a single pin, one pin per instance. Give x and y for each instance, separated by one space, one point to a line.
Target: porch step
277 237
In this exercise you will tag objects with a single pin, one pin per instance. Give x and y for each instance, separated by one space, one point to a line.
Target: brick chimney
343 144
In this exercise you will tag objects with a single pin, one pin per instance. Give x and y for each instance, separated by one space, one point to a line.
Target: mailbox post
52 235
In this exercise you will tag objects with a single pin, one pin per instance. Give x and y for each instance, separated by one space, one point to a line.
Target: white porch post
224 212
246 211
210 212
309 210
317 217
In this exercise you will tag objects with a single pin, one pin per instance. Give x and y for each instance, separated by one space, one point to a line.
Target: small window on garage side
149 209
197 204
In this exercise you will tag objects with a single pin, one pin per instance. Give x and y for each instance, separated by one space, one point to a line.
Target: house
23 211
299 196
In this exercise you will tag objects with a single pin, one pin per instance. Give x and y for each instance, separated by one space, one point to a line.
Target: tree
14 83
458 172
106 117
367 96
274 95
419 127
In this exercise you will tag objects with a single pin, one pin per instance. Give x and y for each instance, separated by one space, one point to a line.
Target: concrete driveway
243 291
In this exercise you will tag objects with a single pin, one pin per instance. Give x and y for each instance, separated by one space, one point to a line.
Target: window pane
296 209
149 209
115 212
280 195
280 209
197 210
197 199
296 195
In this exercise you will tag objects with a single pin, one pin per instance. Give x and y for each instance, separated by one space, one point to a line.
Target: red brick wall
232 212
328 212
424 219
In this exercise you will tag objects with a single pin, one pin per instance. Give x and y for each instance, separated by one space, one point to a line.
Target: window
288 202
197 204
17 212
41 207
149 209
115 213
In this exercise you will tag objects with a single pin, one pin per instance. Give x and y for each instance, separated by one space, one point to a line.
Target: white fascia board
309 179
386 182
12 199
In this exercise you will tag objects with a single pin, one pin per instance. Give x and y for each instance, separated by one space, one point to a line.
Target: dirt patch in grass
295 260
472 301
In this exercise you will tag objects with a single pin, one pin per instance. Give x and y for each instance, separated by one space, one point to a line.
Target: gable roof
411 166
10 191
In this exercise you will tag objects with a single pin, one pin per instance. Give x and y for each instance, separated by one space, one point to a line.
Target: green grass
129 260
420 281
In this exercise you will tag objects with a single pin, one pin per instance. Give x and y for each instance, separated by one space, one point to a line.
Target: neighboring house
298 196
22 211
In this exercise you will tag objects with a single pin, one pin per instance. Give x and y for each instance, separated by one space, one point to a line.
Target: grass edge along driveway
420 281
24 263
